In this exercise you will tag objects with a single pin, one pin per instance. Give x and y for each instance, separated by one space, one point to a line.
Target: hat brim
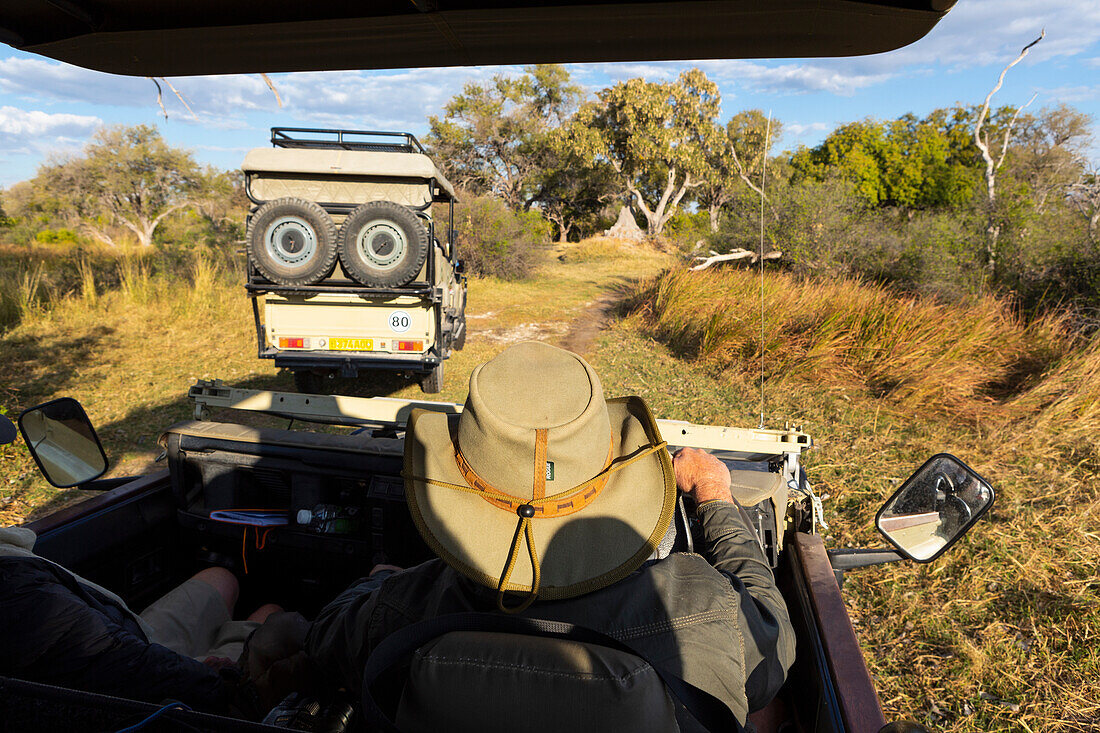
578 553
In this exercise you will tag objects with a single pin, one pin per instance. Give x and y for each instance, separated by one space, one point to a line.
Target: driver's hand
701 476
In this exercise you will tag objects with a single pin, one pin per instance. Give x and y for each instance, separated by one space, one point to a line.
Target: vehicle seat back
490 681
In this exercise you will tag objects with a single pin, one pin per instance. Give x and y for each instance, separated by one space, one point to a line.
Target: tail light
408 345
292 343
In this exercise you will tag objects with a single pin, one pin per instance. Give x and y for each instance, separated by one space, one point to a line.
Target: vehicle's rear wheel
383 244
432 382
292 241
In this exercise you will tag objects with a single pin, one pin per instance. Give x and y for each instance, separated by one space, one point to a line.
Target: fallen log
734 256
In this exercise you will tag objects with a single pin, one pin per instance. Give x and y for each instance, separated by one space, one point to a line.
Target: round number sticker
399 321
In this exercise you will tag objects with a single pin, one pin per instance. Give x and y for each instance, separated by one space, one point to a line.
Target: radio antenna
763 172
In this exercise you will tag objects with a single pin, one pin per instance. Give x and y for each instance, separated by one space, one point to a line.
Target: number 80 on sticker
399 321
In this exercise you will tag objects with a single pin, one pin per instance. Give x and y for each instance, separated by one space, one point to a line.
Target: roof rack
326 139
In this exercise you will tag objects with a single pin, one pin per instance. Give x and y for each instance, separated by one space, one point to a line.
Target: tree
910 162
1049 151
572 191
493 138
994 159
129 177
735 156
654 136
1084 195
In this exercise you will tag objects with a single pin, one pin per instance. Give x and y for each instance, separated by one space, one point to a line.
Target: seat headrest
486 682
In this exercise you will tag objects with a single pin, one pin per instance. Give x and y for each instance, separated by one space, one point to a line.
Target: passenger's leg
222 581
260 614
187 618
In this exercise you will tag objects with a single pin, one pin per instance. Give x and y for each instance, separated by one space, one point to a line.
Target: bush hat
535 449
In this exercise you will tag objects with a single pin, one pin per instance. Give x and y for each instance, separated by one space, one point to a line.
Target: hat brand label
549 470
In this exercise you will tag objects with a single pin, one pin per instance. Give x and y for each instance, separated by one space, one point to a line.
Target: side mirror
63 442
934 508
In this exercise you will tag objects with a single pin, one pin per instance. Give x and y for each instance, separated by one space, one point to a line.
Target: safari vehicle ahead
335 506
346 268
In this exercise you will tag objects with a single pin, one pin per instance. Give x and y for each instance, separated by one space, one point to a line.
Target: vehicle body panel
347 322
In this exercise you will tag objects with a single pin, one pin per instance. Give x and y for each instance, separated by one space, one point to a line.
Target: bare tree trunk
144 228
993 227
99 235
714 212
563 228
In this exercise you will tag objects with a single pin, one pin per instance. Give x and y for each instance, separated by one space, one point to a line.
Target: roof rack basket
325 139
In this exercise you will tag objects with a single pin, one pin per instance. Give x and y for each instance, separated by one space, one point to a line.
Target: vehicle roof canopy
157 38
347 163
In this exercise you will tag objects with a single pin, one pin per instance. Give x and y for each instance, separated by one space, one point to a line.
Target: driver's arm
732 548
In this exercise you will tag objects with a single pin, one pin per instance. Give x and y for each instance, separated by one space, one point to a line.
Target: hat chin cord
555 505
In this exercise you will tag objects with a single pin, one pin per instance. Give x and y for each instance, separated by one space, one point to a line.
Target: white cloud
24 132
1069 94
797 129
772 78
980 32
29 76
350 98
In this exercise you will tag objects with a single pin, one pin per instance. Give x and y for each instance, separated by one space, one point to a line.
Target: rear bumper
349 363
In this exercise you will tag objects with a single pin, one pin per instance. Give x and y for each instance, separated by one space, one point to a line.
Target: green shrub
494 240
55 236
687 229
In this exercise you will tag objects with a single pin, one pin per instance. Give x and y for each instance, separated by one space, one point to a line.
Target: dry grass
130 355
602 249
913 351
1062 412
1000 634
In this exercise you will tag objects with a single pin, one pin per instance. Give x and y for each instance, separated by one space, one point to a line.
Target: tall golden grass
1062 411
915 351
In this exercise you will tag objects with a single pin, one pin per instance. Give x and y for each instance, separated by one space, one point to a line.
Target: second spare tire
292 241
383 244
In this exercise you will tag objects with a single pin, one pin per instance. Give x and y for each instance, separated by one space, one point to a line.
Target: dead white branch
271 86
180 97
160 99
734 256
992 165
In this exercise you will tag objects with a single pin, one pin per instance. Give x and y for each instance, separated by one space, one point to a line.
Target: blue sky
48 108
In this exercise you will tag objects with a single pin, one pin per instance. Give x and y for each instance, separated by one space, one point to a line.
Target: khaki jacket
716 620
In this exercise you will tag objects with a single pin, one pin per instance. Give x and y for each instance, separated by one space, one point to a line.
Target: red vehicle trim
98 502
859 702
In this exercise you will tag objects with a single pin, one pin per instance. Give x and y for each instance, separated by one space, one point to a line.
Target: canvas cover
157 38
331 165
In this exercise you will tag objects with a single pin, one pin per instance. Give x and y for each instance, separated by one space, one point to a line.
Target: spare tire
292 241
383 244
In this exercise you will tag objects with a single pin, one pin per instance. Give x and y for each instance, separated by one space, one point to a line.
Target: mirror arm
850 559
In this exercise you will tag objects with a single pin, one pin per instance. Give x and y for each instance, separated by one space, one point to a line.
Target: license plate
344 344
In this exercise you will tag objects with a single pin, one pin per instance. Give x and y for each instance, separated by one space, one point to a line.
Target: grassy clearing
1000 634
130 351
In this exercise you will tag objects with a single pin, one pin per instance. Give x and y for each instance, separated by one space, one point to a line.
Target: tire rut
582 333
